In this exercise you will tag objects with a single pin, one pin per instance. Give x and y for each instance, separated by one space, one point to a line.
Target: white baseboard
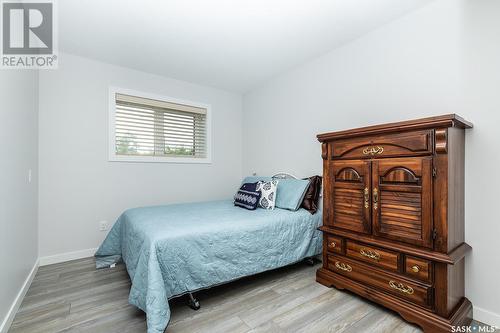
486 317
42 261
7 321
62 257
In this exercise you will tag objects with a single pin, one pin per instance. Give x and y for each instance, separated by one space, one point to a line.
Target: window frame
113 157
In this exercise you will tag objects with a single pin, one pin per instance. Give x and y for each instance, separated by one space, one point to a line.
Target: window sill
159 159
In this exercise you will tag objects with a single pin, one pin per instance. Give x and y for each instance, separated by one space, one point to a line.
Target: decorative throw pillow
268 190
311 198
252 187
247 199
290 193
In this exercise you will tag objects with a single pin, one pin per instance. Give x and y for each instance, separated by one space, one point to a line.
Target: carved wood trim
324 150
441 140
409 176
348 174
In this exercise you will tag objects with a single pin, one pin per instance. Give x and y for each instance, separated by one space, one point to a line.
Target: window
151 129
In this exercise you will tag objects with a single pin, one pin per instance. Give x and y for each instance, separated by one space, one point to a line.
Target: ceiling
230 44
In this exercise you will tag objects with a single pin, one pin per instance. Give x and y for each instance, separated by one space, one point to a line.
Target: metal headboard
284 175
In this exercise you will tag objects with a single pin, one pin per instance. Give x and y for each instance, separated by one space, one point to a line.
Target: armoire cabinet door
350 195
402 199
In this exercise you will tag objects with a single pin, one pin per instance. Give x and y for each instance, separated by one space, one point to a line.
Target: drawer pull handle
375 198
373 150
367 197
401 287
370 254
415 268
343 267
333 244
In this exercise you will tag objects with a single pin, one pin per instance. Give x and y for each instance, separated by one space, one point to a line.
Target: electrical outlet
103 225
29 176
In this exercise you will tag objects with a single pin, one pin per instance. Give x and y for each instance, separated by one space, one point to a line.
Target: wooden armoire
393 218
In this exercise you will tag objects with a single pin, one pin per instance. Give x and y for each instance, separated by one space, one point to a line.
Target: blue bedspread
170 250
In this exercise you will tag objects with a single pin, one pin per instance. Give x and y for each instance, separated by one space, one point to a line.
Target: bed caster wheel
310 261
193 303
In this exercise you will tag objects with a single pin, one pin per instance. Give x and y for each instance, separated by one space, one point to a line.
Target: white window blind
148 127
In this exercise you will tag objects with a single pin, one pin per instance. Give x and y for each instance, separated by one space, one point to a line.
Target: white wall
443 58
18 197
79 187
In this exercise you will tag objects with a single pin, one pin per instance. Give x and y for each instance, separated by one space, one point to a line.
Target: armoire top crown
447 120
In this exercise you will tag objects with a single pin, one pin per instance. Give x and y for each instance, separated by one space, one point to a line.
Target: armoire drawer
418 268
373 255
382 280
334 244
399 144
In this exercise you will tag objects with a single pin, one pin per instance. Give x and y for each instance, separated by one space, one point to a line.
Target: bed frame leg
310 261
193 303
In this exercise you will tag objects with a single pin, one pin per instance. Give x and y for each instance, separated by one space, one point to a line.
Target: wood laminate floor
75 297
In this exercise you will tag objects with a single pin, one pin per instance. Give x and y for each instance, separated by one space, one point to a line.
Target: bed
177 249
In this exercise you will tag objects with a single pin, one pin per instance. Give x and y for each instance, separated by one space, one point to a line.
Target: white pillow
268 190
